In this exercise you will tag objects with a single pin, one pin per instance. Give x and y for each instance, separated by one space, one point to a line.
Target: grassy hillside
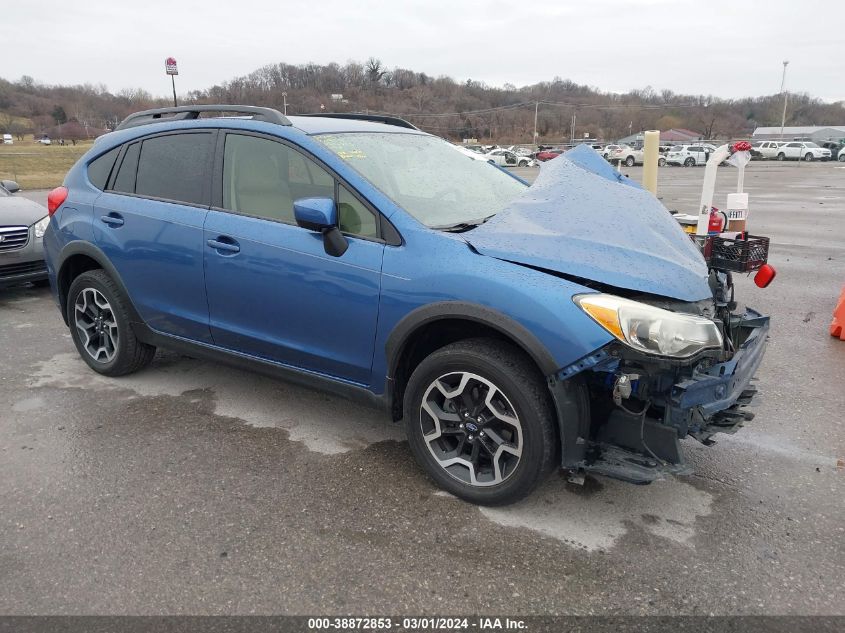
36 166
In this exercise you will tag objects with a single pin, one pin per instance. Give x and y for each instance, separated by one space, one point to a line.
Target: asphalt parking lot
196 488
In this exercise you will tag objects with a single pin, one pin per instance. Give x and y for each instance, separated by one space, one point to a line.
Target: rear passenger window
100 168
125 180
175 167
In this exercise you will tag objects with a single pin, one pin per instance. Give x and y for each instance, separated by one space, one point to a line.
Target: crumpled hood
15 211
582 218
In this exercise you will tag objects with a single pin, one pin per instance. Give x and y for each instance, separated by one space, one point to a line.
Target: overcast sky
727 48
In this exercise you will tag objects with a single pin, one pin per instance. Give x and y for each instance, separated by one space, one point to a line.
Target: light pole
285 101
536 106
782 84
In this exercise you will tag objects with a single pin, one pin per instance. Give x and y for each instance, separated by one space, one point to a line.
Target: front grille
13 237
22 268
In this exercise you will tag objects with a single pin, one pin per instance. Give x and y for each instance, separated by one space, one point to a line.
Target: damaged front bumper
637 438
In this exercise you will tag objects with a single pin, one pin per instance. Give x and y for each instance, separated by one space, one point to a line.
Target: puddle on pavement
324 423
595 518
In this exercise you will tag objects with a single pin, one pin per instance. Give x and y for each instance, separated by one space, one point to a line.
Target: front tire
630 161
689 162
99 321
808 157
661 162
841 157
781 156
480 421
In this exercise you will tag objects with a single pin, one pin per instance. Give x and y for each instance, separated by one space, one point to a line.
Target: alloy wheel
471 429
96 323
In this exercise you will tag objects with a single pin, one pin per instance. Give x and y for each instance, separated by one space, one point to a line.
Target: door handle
228 247
112 220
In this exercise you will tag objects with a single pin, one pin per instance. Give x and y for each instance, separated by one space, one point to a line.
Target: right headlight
649 329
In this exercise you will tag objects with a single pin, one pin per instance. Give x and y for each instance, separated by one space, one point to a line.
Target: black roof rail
375 118
159 115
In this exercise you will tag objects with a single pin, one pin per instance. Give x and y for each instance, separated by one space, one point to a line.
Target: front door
273 292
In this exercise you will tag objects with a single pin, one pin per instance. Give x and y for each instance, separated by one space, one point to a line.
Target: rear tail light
765 275
55 199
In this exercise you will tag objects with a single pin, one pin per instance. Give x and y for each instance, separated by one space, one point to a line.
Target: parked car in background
22 225
802 150
44 141
548 154
835 148
689 155
519 151
507 158
608 150
8 140
631 156
768 149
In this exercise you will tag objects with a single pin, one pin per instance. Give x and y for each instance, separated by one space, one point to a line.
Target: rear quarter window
100 168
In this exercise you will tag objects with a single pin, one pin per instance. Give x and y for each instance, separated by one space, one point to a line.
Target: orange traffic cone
836 326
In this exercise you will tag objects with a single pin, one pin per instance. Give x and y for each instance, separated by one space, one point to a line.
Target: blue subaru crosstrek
514 328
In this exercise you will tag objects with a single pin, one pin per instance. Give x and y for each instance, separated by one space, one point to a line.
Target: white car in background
690 155
802 150
507 158
631 156
608 150
768 149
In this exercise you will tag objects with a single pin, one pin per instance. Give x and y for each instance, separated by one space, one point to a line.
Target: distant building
675 135
805 133
681 135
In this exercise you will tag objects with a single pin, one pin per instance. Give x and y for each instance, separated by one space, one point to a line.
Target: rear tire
781 156
841 157
629 162
99 321
689 162
480 421
661 162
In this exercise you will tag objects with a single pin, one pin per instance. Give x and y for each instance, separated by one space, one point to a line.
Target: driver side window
262 178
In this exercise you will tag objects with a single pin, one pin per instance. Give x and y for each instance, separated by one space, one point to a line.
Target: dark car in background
22 225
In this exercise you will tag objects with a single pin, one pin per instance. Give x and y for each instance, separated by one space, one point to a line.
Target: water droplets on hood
583 218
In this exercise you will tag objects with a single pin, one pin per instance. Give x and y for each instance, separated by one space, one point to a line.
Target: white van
8 140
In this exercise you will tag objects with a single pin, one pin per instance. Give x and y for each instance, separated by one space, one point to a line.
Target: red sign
170 66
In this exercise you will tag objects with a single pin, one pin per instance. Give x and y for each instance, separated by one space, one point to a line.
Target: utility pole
536 106
782 84
285 100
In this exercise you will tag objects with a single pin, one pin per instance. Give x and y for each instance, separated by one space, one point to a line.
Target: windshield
426 176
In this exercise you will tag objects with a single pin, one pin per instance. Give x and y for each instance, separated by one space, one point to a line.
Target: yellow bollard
651 152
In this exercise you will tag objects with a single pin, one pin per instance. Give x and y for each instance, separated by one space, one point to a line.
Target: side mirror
10 185
320 215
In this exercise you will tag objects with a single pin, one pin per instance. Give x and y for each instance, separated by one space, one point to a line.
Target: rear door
149 222
273 292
